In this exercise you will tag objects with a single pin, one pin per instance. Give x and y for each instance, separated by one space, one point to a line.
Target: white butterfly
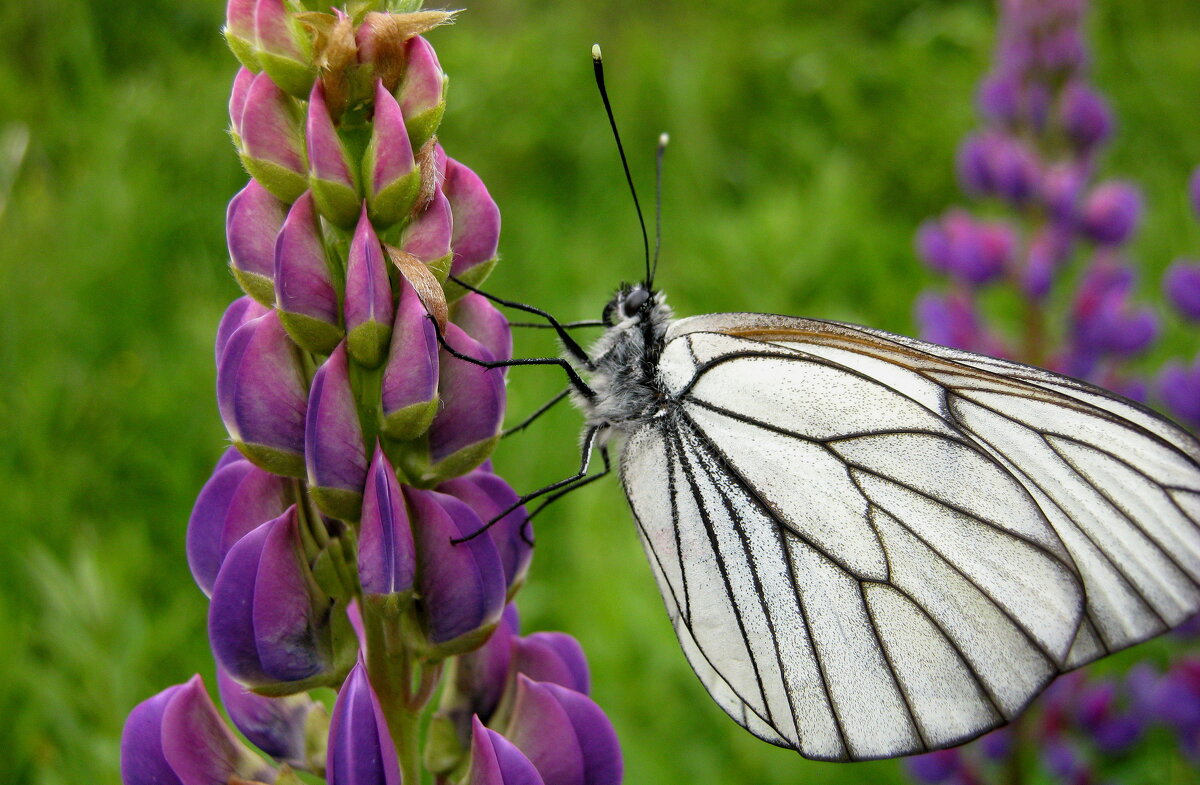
871 546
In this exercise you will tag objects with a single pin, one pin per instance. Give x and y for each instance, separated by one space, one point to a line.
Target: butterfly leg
569 343
545 407
589 443
576 381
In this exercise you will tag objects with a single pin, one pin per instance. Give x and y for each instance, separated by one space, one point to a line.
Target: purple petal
386 554
1179 387
1060 190
240 311
275 725
472 405
482 321
565 734
1182 286
142 760
271 25
1086 118
199 746
496 761
231 455
304 289
410 378
392 177
251 224
553 657
333 440
333 180
360 748
368 296
272 141
239 32
476 219
236 499
934 767
262 395
461 586
489 495
427 236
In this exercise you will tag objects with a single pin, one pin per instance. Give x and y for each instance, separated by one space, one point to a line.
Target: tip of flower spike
596 52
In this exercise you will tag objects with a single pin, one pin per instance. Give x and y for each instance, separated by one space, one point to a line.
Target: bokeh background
809 139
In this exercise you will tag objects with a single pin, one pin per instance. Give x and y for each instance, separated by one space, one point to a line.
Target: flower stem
390 666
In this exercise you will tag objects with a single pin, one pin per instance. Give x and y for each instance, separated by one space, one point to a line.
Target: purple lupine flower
237 498
334 452
952 320
1110 212
476 223
264 622
1086 118
935 767
1103 322
177 736
496 761
277 726
272 142
237 101
305 294
251 223
360 747
393 179
1179 387
368 305
552 657
386 553
240 311
1096 713
332 172
467 427
482 676
481 320
489 495
428 236
409 393
565 734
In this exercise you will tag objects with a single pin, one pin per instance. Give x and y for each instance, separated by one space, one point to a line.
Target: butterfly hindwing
868 549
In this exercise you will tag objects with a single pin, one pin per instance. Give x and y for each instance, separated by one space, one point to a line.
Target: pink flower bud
333 441
272 148
331 170
476 224
240 311
393 179
285 50
368 304
427 236
237 102
386 553
483 321
304 290
239 32
422 91
251 224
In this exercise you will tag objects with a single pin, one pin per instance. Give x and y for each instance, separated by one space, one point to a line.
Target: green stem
390 666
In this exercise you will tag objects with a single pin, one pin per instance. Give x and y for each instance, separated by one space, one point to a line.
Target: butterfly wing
871 546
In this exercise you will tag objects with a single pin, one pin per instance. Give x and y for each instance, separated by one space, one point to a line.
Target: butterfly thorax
624 359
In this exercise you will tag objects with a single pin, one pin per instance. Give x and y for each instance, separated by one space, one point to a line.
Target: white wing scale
871 546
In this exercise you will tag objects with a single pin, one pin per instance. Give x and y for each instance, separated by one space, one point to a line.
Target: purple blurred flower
1110 212
1086 118
975 252
935 767
1182 286
952 320
1102 319
1179 387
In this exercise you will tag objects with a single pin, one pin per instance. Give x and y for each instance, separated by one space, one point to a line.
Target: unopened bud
272 144
393 179
422 91
331 170
333 441
285 50
368 304
410 378
251 223
476 224
304 290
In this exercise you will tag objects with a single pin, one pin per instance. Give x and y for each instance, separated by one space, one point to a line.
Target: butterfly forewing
871 546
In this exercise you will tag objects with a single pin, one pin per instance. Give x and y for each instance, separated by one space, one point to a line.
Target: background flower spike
252 221
262 395
332 173
334 453
272 143
392 177
368 303
305 293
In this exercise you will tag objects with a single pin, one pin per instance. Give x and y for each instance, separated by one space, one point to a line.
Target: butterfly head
632 301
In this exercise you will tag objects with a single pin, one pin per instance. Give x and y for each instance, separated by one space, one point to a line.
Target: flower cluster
1179 381
355 535
1032 168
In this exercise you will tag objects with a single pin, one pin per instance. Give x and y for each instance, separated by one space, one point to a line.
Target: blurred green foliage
808 140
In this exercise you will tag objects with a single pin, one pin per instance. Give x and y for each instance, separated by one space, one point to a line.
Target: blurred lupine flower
935 767
306 296
360 746
971 251
1103 322
177 737
286 728
952 320
496 761
1182 286
1113 729
359 478
1110 213
1179 388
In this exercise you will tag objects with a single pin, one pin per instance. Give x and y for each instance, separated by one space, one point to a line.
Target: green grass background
808 141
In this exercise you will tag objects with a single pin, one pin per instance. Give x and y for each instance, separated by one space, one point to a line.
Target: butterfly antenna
663 139
598 67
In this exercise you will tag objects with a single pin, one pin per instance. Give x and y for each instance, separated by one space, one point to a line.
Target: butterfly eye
634 302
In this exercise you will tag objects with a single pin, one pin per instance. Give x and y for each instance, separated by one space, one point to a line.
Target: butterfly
872 546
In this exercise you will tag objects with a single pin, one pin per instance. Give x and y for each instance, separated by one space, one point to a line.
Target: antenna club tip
596 51
663 139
